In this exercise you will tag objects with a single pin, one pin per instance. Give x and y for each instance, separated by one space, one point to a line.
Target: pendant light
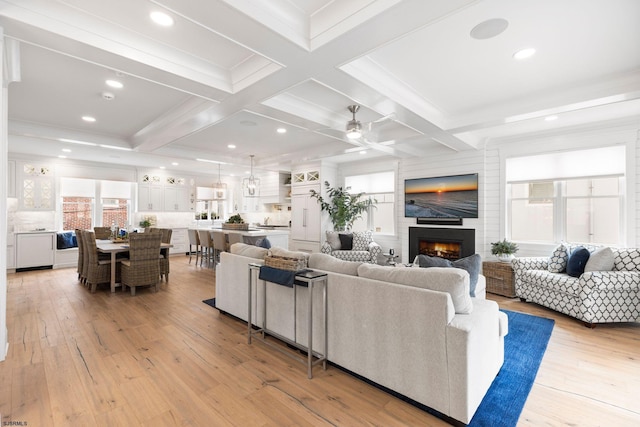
219 188
251 185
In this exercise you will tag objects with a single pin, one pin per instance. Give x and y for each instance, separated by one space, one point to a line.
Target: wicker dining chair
164 253
194 239
80 269
102 233
98 271
143 266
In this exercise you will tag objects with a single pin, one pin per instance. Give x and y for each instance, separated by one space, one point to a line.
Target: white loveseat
600 296
415 331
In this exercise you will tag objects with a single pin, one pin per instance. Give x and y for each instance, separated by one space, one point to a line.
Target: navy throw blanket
276 275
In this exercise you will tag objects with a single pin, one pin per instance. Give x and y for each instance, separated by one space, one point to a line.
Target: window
115 211
380 187
87 203
583 202
77 212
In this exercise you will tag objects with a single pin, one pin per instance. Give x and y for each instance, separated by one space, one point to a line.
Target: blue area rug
524 347
211 302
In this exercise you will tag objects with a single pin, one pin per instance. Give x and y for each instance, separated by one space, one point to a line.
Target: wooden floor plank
166 359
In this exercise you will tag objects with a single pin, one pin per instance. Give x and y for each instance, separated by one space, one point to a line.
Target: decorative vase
505 257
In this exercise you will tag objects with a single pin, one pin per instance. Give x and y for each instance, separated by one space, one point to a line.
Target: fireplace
449 243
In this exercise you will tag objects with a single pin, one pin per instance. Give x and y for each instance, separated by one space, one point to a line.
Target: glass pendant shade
219 188
251 185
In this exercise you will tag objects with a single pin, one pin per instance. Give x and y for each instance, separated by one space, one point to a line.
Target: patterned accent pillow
558 259
361 240
334 240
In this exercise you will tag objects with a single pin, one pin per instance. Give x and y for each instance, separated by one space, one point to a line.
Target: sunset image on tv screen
442 197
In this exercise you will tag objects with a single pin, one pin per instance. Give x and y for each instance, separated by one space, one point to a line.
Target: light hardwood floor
166 359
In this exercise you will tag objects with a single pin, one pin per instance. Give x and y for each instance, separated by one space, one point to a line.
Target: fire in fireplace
448 250
449 243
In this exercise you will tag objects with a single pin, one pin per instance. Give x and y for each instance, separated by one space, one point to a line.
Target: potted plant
235 222
504 250
343 207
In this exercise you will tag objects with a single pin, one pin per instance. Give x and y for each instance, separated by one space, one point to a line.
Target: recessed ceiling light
489 28
281 130
62 157
66 150
551 118
114 84
89 119
232 146
524 53
161 18
175 164
162 167
363 152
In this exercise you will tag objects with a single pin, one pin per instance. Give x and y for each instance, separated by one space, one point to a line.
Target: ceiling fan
354 128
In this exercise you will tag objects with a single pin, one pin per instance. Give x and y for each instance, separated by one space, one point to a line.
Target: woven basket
233 226
285 263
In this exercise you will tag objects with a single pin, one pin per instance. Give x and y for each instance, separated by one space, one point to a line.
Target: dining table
114 248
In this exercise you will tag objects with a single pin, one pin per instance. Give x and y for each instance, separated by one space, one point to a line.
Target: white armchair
352 246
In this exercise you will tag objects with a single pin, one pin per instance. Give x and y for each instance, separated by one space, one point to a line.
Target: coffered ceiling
231 72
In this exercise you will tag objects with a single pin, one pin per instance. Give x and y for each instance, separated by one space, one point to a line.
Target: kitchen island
278 236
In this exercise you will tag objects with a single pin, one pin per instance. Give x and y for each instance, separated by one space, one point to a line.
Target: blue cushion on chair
577 261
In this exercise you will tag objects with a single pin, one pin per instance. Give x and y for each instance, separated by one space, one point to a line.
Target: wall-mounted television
453 196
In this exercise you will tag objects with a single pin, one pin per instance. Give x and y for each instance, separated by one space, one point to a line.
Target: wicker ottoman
499 277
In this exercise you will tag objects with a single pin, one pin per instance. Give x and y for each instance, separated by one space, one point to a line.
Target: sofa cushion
600 260
330 263
333 239
558 259
263 243
453 281
346 241
361 256
361 240
577 261
627 259
250 251
472 264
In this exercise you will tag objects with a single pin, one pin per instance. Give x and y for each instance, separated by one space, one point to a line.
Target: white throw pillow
333 239
600 260
558 259
277 251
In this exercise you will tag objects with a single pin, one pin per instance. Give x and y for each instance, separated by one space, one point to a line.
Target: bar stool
219 244
206 245
194 239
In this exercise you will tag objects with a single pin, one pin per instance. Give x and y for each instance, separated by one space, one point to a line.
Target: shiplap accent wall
455 163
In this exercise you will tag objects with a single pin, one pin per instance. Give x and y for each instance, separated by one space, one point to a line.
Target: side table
307 278
500 278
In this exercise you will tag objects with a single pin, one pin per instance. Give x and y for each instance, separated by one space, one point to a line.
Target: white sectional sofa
415 331
604 295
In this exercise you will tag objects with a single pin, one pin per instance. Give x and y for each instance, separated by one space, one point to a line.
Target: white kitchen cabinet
176 199
150 198
305 218
308 222
11 251
35 249
37 187
180 241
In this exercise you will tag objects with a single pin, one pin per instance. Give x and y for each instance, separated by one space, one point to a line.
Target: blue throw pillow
471 264
66 240
577 261
264 243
